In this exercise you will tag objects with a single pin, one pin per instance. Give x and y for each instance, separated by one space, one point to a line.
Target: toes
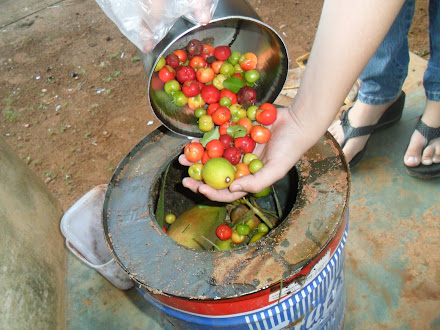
428 155
353 145
336 130
332 128
413 153
431 154
436 158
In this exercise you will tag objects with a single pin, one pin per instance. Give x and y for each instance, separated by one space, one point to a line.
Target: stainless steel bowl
236 24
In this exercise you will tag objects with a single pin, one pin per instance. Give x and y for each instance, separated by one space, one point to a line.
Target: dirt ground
73 96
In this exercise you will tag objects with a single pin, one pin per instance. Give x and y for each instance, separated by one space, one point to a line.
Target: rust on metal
319 186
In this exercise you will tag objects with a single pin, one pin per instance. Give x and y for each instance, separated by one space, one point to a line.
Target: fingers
203 10
238 189
146 22
223 195
192 184
147 45
183 161
255 183
203 16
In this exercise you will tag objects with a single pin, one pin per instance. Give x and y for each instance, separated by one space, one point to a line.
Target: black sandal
391 116
426 171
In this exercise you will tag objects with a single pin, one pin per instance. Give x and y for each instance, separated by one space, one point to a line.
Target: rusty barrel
293 276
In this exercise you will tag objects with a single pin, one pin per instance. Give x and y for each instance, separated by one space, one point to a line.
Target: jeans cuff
432 96
377 100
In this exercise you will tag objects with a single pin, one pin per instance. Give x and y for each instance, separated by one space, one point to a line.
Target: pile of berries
218 84
233 236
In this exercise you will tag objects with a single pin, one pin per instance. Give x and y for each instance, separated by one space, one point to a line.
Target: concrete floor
392 259
392 272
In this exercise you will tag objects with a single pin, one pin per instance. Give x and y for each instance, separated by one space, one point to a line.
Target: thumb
254 183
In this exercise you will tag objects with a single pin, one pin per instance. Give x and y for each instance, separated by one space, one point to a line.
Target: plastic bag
146 22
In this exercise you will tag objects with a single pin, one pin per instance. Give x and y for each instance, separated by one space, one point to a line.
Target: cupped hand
279 155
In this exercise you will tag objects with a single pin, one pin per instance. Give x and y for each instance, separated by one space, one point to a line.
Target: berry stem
259 213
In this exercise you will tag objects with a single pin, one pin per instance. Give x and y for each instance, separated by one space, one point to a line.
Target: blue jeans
383 77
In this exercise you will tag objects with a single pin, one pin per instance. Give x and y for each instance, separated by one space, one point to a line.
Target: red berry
190 88
185 73
224 232
222 53
245 144
210 94
172 60
226 140
233 155
194 47
247 96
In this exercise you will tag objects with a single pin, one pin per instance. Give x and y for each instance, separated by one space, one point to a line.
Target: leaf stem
210 242
277 202
259 213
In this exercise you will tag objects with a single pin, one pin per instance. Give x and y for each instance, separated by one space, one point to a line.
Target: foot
360 115
417 152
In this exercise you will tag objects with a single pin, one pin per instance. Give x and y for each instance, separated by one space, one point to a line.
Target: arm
348 34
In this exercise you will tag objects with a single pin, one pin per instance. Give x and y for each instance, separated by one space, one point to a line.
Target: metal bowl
235 24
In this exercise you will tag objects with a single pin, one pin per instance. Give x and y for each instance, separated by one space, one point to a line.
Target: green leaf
208 136
233 84
277 202
236 131
160 212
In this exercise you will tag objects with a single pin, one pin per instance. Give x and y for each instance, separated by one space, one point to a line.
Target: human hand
146 22
279 155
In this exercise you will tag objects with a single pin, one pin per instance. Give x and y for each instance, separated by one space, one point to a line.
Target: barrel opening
177 199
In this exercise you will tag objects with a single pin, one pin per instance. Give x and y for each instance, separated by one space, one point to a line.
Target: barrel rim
296 217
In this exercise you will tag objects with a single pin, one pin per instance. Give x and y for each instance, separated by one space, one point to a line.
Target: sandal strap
429 133
352 132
